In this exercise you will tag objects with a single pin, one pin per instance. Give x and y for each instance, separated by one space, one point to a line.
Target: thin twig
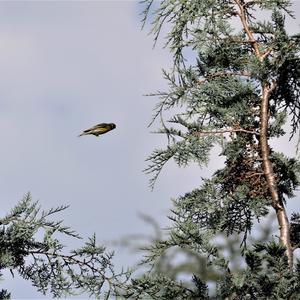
204 132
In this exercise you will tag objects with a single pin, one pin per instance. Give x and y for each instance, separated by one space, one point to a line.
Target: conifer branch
267 53
207 132
243 18
225 74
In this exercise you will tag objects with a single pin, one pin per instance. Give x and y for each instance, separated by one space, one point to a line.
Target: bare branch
201 133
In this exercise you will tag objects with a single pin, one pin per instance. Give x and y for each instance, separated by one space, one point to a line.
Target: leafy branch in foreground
45 262
265 276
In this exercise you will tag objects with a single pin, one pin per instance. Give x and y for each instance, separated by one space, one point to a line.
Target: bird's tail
84 133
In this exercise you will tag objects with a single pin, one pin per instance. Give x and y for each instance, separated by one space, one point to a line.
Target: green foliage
4 294
220 95
160 287
266 276
214 98
221 91
45 262
295 230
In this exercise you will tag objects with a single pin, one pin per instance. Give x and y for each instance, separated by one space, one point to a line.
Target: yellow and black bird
99 129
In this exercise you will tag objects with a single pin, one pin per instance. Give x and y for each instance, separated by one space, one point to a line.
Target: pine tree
234 84
30 246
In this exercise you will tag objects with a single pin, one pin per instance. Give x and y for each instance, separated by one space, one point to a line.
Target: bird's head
112 125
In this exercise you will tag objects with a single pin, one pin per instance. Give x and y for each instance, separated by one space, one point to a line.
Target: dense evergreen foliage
45 262
235 85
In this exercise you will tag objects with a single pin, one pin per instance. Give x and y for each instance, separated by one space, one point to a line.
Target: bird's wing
95 127
101 125
101 129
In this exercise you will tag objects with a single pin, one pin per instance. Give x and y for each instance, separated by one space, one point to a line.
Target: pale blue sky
65 66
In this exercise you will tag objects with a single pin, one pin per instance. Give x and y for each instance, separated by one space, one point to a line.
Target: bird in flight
99 129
